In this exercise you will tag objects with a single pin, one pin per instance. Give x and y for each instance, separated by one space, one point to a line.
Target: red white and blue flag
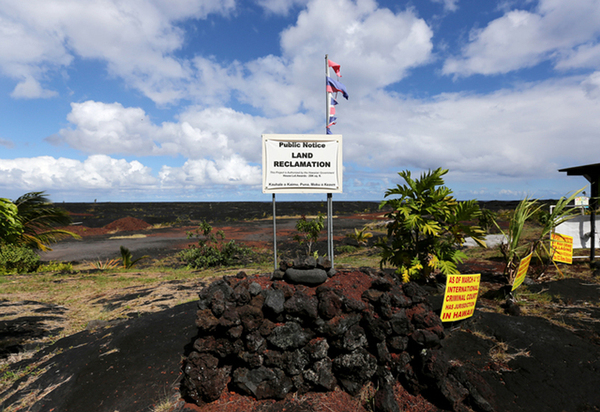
333 86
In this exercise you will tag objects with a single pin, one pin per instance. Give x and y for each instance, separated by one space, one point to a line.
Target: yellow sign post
460 297
522 271
562 248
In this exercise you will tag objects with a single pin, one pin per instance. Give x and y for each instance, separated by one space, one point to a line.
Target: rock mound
269 339
127 224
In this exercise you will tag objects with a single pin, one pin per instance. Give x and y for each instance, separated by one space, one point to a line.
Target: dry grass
501 352
87 295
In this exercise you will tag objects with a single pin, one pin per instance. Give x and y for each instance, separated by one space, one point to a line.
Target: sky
166 100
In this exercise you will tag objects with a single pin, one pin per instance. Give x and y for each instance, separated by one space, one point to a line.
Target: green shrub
61 267
212 250
346 249
487 220
18 259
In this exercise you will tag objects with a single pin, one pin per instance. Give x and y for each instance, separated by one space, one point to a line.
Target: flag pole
329 195
327 98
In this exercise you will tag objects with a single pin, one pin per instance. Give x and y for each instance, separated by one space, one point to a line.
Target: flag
335 67
333 86
332 119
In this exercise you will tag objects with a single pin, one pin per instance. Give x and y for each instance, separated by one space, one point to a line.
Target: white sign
579 228
582 201
301 163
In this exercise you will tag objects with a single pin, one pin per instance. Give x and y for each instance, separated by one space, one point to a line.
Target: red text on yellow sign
522 271
460 297
562 248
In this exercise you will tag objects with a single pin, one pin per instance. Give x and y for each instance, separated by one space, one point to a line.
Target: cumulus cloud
378 46
30 88
282 7
233 171
520 39
591 85
139 43
137 39
96 172
527 132
449 5
110 128
515 133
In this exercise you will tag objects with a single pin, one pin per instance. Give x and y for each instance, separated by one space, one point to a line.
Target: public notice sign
302 163
460 297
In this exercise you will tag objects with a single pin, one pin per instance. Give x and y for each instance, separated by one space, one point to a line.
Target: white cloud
136 38
449 5
521 39
218 132
233 171
96 172
282 7
139 39
584 56
375 46
524 133
108 129
30 88
591 85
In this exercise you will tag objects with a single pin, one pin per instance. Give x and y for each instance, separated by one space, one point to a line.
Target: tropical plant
427 227
105 264
10 225
40 219
513 250
309 231
360 236
127 258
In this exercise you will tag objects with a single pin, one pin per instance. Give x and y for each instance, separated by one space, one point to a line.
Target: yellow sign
460 297
522 271
562 248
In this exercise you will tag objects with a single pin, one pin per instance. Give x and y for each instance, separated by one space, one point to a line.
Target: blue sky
166 100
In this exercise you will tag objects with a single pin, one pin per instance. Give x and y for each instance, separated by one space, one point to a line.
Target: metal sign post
274 233
330 227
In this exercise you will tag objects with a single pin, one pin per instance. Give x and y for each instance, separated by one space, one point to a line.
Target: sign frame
325 177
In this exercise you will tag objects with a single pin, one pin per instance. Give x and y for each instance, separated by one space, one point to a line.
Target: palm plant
427 226
360 236
127 258
514 250
40 219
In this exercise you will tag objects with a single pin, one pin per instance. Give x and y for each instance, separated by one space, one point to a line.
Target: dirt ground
526 362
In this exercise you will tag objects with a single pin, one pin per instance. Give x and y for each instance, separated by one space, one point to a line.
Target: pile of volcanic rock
270 338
